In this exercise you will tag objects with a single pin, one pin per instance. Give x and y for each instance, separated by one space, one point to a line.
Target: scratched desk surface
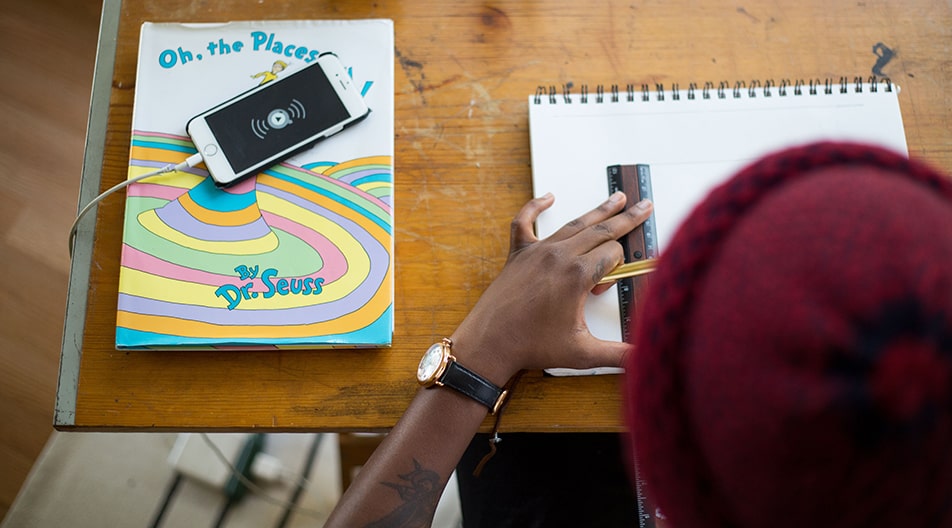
463 72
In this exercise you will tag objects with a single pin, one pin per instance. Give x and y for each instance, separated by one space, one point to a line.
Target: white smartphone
271 122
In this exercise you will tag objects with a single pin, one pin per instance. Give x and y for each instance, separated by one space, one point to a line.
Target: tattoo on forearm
420 491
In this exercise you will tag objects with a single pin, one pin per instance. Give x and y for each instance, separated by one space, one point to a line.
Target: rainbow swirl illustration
295 257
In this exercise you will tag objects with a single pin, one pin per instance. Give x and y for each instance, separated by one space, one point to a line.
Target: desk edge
64 414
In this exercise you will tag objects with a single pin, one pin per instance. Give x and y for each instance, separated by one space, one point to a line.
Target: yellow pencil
630 269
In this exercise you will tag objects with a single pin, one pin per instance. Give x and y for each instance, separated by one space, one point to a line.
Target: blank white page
691 145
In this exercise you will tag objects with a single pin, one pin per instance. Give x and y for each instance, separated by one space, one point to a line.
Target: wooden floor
47 53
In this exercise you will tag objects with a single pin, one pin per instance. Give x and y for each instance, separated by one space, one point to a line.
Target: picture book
299 255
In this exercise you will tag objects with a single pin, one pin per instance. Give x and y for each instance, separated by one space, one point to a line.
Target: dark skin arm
530 317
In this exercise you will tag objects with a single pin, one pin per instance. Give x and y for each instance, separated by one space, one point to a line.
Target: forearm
402 482
530 317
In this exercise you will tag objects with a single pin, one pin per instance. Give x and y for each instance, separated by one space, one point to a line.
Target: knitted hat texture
793 361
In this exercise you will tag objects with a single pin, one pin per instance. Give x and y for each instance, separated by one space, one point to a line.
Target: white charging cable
192 161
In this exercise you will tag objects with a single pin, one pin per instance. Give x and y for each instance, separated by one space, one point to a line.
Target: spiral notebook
692 139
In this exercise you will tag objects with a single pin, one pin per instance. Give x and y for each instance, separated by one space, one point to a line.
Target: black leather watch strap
473 385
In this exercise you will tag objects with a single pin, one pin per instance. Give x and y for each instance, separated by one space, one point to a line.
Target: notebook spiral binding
723 90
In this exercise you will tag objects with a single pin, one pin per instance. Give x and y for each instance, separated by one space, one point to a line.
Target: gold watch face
432 365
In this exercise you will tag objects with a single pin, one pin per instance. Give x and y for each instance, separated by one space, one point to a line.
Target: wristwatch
439 368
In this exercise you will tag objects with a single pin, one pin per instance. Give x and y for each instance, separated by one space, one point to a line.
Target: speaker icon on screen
278 118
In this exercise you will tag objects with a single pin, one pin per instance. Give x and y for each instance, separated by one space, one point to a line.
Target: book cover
301 255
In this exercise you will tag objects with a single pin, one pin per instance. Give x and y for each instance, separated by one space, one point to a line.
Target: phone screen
273 120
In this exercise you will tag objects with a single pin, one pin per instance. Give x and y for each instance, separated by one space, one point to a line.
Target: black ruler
640 244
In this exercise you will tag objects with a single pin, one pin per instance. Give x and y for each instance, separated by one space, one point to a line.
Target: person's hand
532 315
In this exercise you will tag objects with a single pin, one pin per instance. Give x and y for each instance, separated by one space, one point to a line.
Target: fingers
591 237
599 288
605 210
521 232
605 223
598 244
598 225
604 258
614 227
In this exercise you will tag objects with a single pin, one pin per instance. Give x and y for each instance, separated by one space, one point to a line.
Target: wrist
440 367
482 358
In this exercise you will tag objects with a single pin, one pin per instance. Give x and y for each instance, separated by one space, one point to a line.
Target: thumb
602 353
522 232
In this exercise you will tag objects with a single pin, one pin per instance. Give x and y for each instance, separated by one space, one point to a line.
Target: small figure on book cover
272 74
792 366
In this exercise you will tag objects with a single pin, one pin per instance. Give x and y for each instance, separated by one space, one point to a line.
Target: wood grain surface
463 74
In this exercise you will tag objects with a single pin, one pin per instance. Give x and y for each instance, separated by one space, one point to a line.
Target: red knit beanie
793 362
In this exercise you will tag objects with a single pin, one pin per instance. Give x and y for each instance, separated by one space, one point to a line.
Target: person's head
793 362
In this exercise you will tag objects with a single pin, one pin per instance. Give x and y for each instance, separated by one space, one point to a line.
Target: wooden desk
462 170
